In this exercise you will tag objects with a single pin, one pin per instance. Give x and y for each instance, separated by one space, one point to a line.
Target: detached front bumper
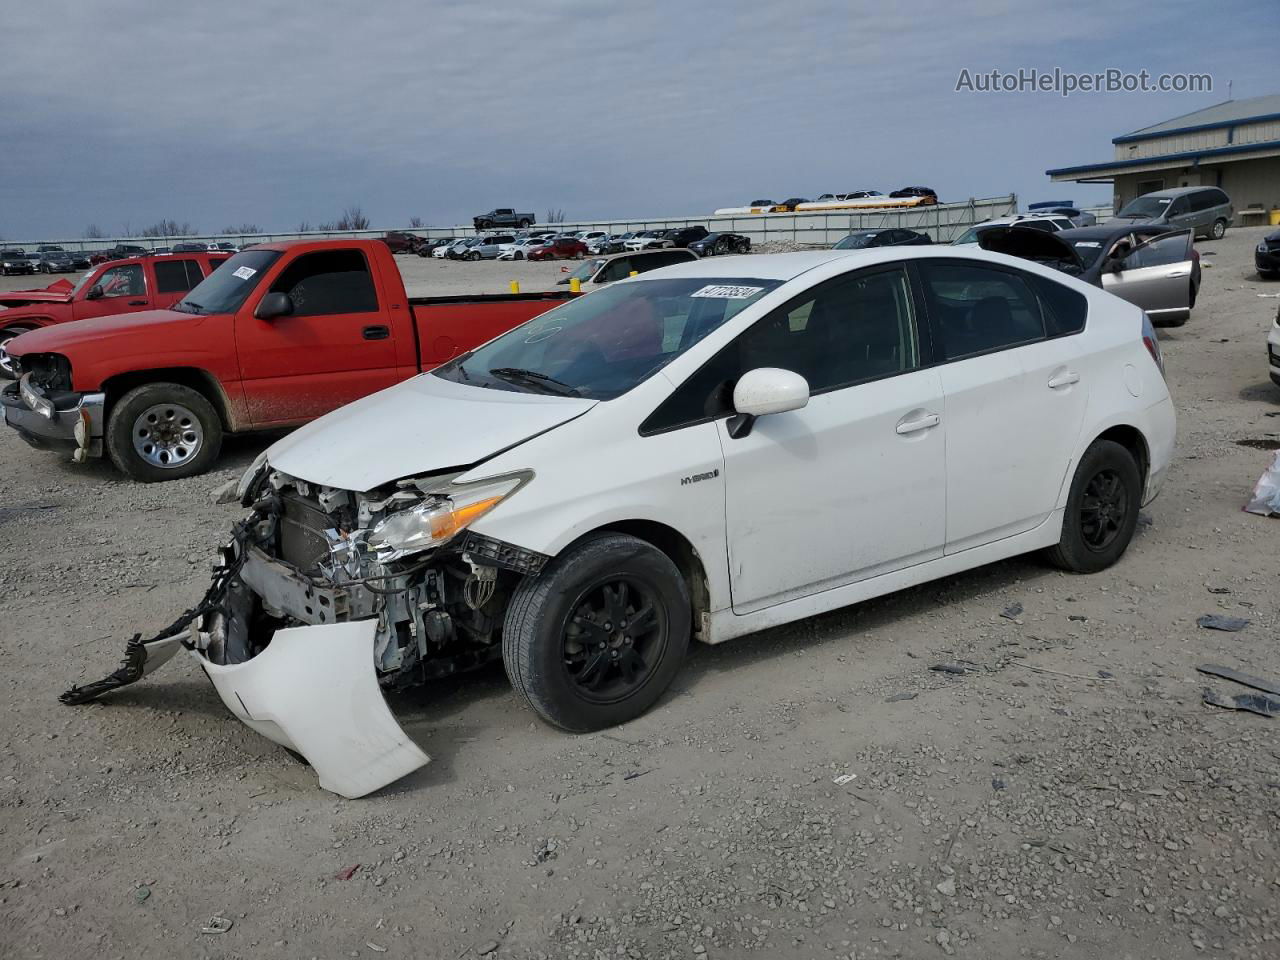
314 690
58 419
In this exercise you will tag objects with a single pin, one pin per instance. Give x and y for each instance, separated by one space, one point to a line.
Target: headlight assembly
440 517
250 477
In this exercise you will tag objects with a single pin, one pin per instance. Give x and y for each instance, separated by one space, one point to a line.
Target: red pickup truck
279 335
121 286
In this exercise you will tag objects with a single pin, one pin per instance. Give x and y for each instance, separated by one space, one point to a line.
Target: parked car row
550 245
852 199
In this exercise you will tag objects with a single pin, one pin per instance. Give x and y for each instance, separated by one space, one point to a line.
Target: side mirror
274 304
95 292
763 391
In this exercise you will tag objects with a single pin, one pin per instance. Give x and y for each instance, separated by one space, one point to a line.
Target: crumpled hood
421 426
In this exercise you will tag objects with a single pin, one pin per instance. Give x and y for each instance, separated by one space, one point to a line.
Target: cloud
274 112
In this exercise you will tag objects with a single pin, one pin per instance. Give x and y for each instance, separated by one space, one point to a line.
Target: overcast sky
272 113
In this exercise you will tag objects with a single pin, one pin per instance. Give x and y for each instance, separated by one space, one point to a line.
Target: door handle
1064 379
137 303
375 333
914 426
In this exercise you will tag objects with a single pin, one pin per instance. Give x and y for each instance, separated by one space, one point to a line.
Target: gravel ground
1010 811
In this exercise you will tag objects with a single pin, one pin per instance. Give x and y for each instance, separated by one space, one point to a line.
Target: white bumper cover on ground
314 690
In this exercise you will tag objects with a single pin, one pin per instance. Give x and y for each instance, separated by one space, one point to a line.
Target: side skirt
725 624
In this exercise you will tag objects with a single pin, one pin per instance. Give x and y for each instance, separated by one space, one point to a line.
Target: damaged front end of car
324 598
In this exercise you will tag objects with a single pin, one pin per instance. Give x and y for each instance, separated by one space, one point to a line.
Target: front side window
123 281
1159 252
605 344
977 309
845 332
328 282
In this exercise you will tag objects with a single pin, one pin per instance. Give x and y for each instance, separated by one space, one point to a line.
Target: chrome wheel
6 361
167 435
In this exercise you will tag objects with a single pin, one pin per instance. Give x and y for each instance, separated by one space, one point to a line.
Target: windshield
224 290
80 284
602 345
856 241
1088 251
1145 207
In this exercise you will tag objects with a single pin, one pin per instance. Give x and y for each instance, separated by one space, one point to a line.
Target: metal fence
943 222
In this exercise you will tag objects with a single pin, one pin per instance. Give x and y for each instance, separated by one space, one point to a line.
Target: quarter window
328 282
1065 310
847 331
977 309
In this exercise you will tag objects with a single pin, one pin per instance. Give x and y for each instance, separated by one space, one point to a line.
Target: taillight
1151 342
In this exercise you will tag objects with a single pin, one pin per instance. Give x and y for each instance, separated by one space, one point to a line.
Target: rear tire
524 224
1102 510
568 647
184 461
1219 229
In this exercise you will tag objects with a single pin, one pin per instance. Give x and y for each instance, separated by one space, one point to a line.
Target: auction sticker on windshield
244 273
727 292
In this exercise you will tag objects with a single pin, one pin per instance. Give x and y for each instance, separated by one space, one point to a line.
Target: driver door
853 485
1156 276
124 290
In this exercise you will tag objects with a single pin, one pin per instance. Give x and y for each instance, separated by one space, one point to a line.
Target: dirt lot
1007 812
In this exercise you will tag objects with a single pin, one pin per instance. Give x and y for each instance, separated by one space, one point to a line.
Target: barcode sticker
726 292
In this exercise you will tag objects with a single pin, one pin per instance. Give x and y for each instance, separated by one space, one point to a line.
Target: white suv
1050 224
695 453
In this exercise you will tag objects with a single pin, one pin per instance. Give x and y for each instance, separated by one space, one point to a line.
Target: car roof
1107 231
766 266
1178 191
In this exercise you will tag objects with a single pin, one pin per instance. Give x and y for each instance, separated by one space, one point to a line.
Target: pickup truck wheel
1102 509
524 224
483 224
163 431
599 634
6 362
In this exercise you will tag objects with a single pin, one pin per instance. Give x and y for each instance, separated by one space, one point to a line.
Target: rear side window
177 276
978 309
1065 310
328 282
214 261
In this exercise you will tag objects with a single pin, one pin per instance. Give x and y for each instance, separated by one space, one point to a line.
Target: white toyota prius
692 454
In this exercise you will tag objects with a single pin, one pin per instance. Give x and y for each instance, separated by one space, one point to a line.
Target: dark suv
683 236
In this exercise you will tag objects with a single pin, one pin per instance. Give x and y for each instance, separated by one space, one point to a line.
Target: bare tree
352 218
168 228
555 216
416 223
328 227
244 228
303 227
93 232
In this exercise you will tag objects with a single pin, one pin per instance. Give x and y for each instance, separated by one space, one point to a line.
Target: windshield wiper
532 378
189 306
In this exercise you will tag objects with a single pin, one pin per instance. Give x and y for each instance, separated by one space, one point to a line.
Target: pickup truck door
171 278
124 290
339 343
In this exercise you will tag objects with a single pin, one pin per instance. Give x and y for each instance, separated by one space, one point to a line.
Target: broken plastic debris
1012 611
348 873
141 894
894 697
844 778
953 668
1259 703
1266 492
216 925
1244 679
1215 621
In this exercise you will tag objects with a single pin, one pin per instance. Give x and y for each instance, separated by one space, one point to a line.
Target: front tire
163 431
1219 229
599 634
6 364
1102 509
